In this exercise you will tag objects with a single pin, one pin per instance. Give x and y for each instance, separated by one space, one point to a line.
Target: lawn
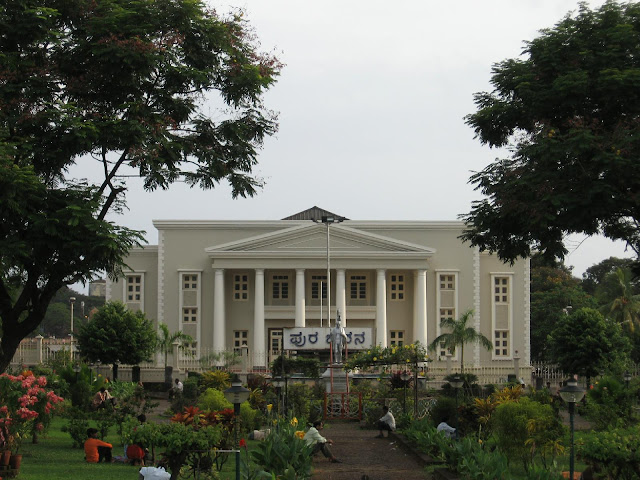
54 459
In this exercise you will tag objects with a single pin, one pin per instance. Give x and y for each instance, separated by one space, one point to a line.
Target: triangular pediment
312 240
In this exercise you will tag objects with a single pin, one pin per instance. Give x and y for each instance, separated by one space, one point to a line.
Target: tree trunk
115 371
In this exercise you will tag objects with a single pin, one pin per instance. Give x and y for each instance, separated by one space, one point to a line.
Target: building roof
313 213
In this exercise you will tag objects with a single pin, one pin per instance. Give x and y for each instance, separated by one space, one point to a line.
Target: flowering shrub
26 407
392 355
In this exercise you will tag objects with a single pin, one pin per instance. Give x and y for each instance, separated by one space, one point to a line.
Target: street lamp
237 395
571 393
405 380
456 382
627 378
76 368
328 220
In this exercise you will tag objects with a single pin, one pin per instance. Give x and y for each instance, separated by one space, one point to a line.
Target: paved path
363 454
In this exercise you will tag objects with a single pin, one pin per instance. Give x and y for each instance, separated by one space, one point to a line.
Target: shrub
298 400
614 453
526 428
444 410
608 404
216 379
77 426
283 453
212 400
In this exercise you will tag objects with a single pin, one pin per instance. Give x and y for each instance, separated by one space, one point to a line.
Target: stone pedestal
339 379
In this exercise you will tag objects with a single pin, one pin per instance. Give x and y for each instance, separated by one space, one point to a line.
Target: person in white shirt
386 422
318 442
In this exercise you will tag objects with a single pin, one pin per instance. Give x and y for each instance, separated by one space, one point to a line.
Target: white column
218 311
341 297
381 308
301 303
420 317
259 357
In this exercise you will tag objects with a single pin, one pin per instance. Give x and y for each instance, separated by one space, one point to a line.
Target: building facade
234 285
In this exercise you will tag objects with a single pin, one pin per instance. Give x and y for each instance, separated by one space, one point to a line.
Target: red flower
243 443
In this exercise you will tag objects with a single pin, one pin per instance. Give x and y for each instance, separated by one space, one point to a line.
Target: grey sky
371 102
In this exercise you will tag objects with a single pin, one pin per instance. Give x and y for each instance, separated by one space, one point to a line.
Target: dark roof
313 213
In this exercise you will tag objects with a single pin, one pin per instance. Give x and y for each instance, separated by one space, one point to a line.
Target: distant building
98 288
231 284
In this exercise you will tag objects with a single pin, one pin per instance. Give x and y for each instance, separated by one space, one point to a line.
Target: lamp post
236 394
405 380
627 378
571 394
328 220
76 369
456 382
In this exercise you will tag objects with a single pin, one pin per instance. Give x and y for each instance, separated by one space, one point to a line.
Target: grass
54 459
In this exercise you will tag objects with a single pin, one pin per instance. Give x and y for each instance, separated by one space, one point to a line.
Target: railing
343 406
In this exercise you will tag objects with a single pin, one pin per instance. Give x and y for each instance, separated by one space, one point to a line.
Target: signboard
316 338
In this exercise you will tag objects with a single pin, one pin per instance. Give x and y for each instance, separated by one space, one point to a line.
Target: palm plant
625 309
166 340
458 334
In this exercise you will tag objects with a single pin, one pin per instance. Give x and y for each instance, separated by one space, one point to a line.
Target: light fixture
571 393
237 395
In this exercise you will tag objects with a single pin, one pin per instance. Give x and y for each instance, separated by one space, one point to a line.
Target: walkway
365 457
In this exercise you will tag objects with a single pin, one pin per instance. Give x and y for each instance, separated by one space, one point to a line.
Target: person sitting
96 450
318 442
386 422
135 454
99 399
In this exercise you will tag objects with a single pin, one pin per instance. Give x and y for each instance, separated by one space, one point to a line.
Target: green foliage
444 410
624 308
472 461
614 453
525 429
165 340
116 85
408 355
566 109
212 400
77 426
217 379
552 289
609 403
117 335
457 334
298 400
585 342
284 453
427 439
308 367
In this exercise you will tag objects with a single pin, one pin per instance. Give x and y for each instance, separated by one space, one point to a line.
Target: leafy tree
166 339
568 111
459 333
552 290
625 308
114 84
585 343
117 335
597 274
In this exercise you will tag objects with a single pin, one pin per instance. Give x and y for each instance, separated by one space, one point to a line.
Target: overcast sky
371 104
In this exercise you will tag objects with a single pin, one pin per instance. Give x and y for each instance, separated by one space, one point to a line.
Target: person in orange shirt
96 450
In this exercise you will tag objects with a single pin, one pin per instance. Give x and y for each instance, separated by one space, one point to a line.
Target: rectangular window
358 287
190 349
501 289
240 339
444 314
501 343
316 281
190 282
447 282
280 287
397 287
396 338
189 315
134 288
240 287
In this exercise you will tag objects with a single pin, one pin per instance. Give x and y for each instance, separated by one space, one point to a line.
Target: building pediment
311 241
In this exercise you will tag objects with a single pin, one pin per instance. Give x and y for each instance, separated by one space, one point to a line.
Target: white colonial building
258 285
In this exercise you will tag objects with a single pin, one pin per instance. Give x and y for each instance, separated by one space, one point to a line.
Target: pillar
341 298
218 312
420 317
259 357
300 298
381 308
